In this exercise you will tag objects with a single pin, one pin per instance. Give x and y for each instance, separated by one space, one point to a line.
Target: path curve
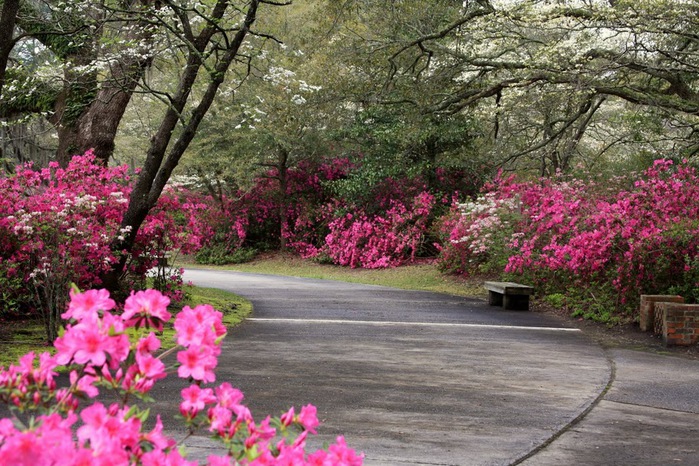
408 377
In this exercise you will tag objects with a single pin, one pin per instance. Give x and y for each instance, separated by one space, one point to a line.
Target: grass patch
425 277
19 338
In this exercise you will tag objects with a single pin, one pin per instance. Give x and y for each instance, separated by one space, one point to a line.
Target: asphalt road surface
408 377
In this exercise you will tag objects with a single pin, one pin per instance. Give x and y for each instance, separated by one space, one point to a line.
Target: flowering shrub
358 240
473 234
577 235
251 220
54 424
57 225
383 227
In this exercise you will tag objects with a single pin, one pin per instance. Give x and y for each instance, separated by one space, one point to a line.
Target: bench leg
494 298
516 302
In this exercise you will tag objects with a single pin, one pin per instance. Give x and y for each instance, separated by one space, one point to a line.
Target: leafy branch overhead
643 52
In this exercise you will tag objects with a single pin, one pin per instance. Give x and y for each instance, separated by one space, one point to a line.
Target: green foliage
220 254
11 294
689 288
599 303
24 93
323 259
556 300
363 185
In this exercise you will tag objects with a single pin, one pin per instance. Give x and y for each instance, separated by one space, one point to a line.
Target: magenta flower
288 417
87 304
161 458
150 367
220 419
308 418
228 396
82 344
195 399
146 309
218 461
197 362
148 344
199 326
114 435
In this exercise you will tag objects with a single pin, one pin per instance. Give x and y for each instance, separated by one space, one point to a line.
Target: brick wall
648 302
680 323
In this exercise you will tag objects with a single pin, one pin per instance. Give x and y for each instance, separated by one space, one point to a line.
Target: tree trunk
157 168
8 16
96 126
283 177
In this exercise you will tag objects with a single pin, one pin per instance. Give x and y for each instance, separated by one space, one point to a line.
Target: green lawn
424 277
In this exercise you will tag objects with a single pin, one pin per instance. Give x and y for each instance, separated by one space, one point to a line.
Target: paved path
416 378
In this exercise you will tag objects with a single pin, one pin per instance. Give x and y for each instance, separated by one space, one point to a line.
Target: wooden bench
511 296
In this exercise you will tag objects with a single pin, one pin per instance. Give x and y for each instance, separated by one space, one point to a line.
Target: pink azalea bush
384 225
106 351
609 243
251 219
379 241
56 226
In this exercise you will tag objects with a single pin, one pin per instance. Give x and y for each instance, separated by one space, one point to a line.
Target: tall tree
8 18
644 52
280 118
476 57
104 49
212 40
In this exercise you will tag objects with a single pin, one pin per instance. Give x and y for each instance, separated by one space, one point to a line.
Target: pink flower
308 418
82 344
338 454
228 396
194 399
199 326
91 342
108 433
218 461
161 458
146 309
87 304
197 362
84 384
288 417
150 367
220 419
148 344
156 437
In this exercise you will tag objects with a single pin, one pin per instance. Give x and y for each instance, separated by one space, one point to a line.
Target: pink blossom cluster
378 241
56 226
383 226
640 234
52 425
246 218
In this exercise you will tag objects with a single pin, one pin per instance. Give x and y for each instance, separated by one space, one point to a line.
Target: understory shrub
359 240
56 226
606 244
326 214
